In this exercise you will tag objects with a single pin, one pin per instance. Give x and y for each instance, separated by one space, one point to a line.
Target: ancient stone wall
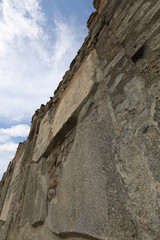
90 168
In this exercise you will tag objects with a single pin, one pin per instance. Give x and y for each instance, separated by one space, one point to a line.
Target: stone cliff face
90 168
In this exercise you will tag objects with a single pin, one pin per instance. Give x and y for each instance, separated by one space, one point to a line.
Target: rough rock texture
90 168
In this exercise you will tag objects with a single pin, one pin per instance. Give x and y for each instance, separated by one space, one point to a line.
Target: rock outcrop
90 168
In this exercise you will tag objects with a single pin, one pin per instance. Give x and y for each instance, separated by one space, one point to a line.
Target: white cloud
8 147
20 130
19 19
6 157
4 138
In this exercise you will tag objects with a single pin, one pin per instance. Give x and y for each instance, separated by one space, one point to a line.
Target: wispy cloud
20 130
19 20
8 147
4 138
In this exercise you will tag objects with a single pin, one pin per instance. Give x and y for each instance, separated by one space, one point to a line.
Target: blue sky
38 41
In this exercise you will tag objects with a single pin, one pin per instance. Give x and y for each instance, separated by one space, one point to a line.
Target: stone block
90 198
6 205
76 92
34 207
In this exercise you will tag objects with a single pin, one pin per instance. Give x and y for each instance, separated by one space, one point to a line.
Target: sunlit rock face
90 168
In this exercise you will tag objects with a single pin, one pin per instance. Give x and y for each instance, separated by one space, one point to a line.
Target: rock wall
90 168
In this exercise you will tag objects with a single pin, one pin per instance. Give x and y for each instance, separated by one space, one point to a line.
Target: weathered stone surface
6 205
76 92
93 177
17 166
99 4
90 167
34 209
